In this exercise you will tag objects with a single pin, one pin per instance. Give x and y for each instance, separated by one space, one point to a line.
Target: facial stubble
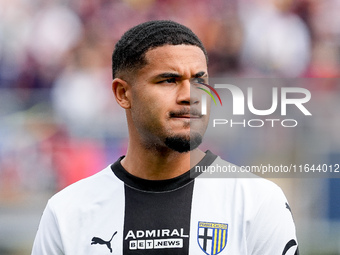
183 144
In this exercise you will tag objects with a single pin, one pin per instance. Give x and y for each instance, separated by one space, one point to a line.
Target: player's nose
187 94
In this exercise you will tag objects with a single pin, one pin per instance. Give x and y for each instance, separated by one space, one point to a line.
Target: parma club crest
212 237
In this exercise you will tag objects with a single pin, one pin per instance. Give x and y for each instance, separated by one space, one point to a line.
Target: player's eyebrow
176 75
167 75
200 74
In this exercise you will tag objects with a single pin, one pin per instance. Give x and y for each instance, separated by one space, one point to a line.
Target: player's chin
183 143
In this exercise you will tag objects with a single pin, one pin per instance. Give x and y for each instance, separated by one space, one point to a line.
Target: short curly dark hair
130 50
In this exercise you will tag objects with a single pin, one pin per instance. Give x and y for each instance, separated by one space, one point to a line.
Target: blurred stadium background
59 121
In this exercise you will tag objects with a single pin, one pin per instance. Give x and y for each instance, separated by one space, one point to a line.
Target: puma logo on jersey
97 240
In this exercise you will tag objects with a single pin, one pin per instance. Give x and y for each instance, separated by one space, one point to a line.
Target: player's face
166 103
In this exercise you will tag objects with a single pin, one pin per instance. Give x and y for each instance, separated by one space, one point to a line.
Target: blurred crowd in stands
56 108
59 121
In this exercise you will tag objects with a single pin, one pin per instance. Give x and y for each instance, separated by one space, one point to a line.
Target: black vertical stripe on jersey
156 211
156 205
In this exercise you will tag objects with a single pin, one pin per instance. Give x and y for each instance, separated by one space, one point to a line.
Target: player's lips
193 114
186 117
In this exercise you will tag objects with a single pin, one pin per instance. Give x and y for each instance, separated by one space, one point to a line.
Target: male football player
150 201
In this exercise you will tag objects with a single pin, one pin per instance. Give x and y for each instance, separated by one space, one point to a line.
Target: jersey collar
160 185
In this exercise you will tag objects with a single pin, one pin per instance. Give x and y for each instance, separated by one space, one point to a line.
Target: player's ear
122 91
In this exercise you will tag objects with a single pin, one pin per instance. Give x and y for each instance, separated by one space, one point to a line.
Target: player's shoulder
223 173
254 191
86 189
253 182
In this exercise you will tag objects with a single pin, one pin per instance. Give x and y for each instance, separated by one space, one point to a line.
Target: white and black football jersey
114 212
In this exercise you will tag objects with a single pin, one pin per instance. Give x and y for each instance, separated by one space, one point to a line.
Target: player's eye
198 81
169 80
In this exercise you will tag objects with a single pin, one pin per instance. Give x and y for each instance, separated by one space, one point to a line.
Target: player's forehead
185 60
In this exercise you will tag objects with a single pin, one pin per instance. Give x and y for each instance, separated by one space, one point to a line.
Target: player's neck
153 165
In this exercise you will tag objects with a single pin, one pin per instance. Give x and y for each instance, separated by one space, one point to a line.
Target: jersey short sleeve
272 229
48 239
